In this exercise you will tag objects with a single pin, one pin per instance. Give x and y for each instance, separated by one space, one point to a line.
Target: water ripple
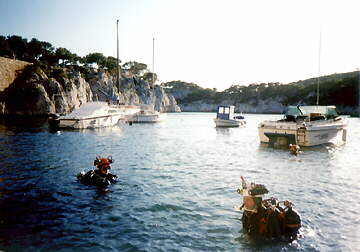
176 191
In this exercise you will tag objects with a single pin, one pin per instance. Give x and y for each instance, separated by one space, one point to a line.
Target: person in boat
266 218
101 176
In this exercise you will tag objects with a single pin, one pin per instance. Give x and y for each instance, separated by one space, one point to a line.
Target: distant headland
341 90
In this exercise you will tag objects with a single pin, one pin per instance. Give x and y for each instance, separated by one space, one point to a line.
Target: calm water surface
177 187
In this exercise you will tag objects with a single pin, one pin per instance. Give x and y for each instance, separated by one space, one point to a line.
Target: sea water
176 190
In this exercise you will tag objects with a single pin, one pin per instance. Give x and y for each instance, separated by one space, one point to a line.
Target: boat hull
311 135
90 123
228 123
152 118
96 115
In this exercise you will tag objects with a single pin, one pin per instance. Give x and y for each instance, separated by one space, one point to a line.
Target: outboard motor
54 120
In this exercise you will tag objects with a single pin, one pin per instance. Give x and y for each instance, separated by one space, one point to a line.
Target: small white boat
305 126
225 117
147 114
95 115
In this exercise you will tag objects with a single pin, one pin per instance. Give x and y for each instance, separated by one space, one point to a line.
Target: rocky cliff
9 71
34 93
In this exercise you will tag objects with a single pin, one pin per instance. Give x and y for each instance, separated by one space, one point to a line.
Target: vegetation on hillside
56 62
336 89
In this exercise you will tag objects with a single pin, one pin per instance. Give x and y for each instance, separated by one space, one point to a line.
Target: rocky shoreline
33 93
27 91
263 107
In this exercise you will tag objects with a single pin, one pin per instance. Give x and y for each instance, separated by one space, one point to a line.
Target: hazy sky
210 43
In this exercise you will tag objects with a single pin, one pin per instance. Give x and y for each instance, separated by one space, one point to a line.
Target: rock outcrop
133 91
9 71
34 93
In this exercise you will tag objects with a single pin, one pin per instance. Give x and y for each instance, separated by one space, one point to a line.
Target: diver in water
266 218
100 177
294 149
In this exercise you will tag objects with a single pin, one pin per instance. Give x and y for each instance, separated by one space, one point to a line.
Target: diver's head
252 195
294 149
104 166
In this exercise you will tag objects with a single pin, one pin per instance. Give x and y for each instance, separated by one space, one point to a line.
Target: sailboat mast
318 80
153 73
117 59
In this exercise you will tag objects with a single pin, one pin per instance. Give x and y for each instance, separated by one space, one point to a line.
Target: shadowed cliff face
33 93
9 70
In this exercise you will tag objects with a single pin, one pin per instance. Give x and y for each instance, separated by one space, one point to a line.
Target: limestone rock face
26 96
173 107
135 91
103 87
33 93
9 71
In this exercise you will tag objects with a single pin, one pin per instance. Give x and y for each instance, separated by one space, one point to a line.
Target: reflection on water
223 130
176 189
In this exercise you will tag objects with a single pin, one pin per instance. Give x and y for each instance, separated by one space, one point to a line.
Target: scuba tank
292 220
288 218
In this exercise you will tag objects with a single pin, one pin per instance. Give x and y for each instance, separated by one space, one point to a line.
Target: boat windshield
312 113
293 111
328 111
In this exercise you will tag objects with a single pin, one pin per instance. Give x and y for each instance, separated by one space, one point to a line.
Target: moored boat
95 115
147 114
225 117
305 126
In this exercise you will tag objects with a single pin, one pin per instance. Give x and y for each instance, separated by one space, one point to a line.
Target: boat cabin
310 113
225 112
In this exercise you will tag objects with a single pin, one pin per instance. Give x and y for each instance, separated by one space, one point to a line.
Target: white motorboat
225 117
147 114
305 126
95 115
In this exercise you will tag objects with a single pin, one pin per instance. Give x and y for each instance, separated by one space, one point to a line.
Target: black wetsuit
97 179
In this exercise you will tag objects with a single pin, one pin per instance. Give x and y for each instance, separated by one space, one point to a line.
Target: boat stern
279 135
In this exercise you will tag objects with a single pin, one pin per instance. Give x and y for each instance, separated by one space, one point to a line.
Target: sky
214 44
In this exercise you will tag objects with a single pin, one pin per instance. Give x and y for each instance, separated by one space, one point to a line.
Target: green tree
48 56
148 77
4 47
35 50
97 58
17 46
134 68
65 55
111 63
